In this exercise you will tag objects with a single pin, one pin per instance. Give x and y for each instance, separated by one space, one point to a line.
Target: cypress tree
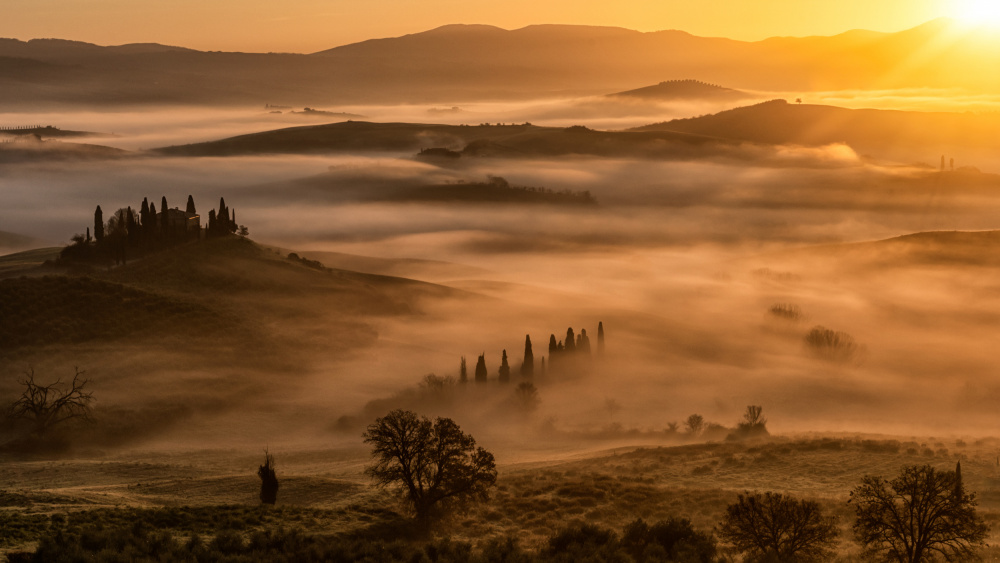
541 372
504 369
164 219
959 487
190 206
584 343
232 222
481 369
144 214
570 345
600 339
98 224
553 347
130 226
211 222
463 374
528 366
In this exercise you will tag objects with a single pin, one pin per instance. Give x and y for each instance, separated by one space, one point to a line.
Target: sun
978 12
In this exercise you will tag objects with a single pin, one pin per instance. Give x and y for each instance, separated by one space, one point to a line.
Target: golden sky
314 25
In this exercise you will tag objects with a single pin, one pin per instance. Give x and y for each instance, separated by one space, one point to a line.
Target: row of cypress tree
576 347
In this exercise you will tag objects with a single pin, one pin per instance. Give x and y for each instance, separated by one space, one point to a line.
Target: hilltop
683 90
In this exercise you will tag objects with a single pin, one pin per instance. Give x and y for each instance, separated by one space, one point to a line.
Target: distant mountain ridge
478 62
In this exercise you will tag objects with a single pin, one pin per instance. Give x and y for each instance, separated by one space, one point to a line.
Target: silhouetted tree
481 373
164 216
583 343
541 370
919 516
528 365
98 224
144 217
243 231
463 373
526 396
570 345
436 465
190 205
753 424
504 372
695 424
44 407
600 339
776 527
553 348
674 539
268 480
212 226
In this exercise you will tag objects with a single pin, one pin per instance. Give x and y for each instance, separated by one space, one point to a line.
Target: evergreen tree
144 215
232 222
481 369
190 206
553 348
570 345
959 491
88 235
600 339
98 224
222 217
131 228
504 369
212 222
528 366
164 218
463 373
584 343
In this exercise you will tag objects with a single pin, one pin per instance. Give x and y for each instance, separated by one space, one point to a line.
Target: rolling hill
683 90
868 130
478 62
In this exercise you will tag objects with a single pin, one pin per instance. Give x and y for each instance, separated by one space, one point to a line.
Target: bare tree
776 527
435 464
921 515
44 407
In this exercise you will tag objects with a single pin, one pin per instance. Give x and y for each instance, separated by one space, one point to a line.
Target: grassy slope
325 492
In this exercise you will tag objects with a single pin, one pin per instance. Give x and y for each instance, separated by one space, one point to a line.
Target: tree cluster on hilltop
129 234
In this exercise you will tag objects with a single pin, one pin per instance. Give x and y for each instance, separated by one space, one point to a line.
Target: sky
306 26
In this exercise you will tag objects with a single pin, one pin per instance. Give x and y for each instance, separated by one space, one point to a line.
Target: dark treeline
574 353
128 233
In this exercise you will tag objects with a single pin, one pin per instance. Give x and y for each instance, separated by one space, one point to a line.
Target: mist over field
680 259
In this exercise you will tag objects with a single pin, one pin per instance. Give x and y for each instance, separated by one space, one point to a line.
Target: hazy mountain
466 62
779 122
683 90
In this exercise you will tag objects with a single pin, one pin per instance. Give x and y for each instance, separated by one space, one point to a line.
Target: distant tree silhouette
190 205
243 231
526 396
952 162
504 369
600 339
922 515
164 217
695 424
767 527
481 373
98 224
435 464
212 226
583 343
553 347
144 221
463 373
541 370
570 346
753 424
528 365
268 480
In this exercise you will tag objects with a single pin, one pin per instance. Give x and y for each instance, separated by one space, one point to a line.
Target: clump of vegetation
753 425
833 345
268 480
786 311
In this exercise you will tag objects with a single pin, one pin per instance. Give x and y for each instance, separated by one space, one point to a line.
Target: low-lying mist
682 262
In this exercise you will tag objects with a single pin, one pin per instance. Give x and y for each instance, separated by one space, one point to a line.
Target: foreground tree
436 465
268 480
44 407
776 527
921 515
